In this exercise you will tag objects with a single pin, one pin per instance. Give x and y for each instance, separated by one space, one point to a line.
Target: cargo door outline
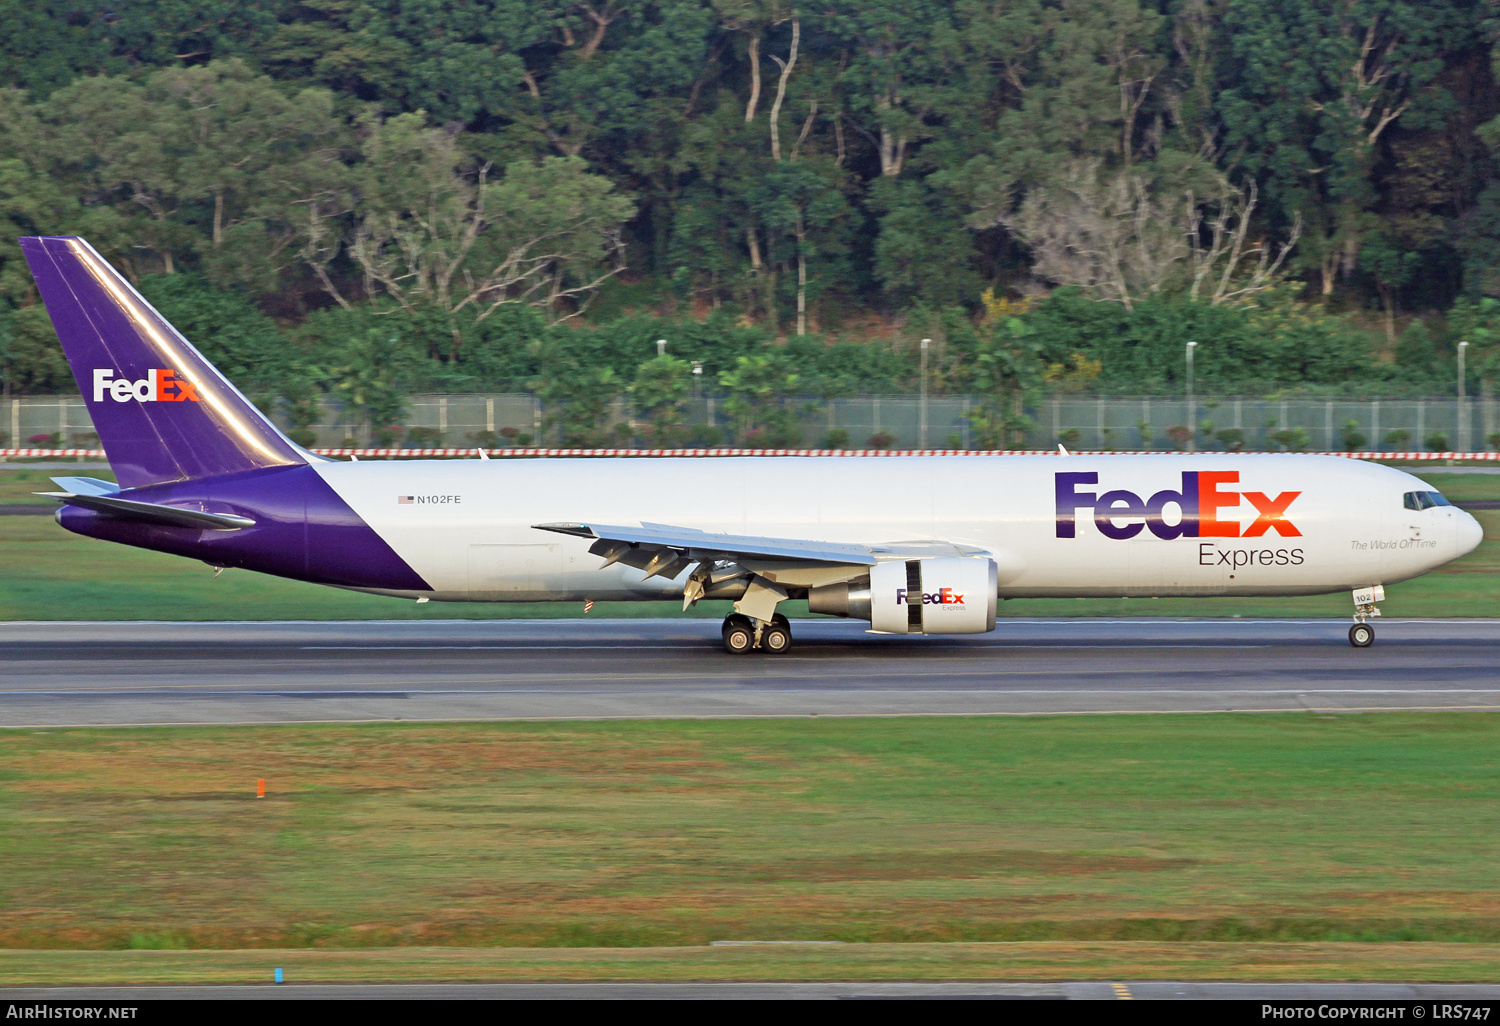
512 570
1173 567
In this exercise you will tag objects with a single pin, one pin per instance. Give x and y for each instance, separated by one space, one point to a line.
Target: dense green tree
462 178
578 399
804 215
658 394
1312 92
442 240
365 363
759 398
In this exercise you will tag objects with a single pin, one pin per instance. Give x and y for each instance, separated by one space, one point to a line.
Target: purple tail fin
163 413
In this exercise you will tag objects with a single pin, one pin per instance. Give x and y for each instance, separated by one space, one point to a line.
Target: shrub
85 440
707 436
1275 339
881 440
838 438
1397 439
51 441
304 437
1352 437
511 435
1492 439
1291 439
785 435
424 437
386 437
957 442
1232 439
523 438
1143 429
1070 437
663 436
1437 442
1179 435
484 439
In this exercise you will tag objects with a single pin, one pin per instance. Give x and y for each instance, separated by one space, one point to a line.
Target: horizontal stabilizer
706 545
152 513
86 485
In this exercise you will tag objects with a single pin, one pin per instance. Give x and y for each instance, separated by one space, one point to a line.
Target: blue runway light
278 976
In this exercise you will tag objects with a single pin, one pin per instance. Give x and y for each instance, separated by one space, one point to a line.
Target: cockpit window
1424 500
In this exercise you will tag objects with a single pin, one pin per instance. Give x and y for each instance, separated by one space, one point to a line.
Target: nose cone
1467 533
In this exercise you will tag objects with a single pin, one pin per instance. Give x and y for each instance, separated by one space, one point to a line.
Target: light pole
1463 403
697 378
1192 407
922 406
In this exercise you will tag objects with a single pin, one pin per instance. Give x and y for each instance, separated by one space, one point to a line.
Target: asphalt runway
60 674
1084 990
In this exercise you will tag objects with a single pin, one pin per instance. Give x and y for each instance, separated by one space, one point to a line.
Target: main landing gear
742 634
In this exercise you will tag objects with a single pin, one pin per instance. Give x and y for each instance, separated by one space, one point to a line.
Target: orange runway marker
260 789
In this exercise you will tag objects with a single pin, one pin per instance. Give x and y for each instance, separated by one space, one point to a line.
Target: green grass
48 574
1291 828
1014 960
17 484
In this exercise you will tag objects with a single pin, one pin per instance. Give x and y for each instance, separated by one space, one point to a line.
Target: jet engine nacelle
951 595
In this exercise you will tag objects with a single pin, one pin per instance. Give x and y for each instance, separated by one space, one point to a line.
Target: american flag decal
403 500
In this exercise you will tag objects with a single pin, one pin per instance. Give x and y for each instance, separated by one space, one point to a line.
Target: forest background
351 201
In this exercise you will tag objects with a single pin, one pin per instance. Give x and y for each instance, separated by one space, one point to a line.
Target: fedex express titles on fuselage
1309 519
915 545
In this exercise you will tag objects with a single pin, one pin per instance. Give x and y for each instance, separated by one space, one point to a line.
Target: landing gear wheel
739 635
777 638
1361 634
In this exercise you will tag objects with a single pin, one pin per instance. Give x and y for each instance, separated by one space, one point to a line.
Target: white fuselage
466 526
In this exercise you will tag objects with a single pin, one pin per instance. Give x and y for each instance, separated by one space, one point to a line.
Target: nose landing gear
742 634
1361 635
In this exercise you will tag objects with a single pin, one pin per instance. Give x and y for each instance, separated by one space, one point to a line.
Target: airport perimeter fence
896 422
533 452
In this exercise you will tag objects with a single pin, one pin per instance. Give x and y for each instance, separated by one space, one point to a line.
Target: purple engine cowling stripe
303 529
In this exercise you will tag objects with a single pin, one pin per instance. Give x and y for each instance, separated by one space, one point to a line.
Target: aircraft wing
662 550
696 545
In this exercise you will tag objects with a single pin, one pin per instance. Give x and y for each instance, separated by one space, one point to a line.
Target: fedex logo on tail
158 386
1202 508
